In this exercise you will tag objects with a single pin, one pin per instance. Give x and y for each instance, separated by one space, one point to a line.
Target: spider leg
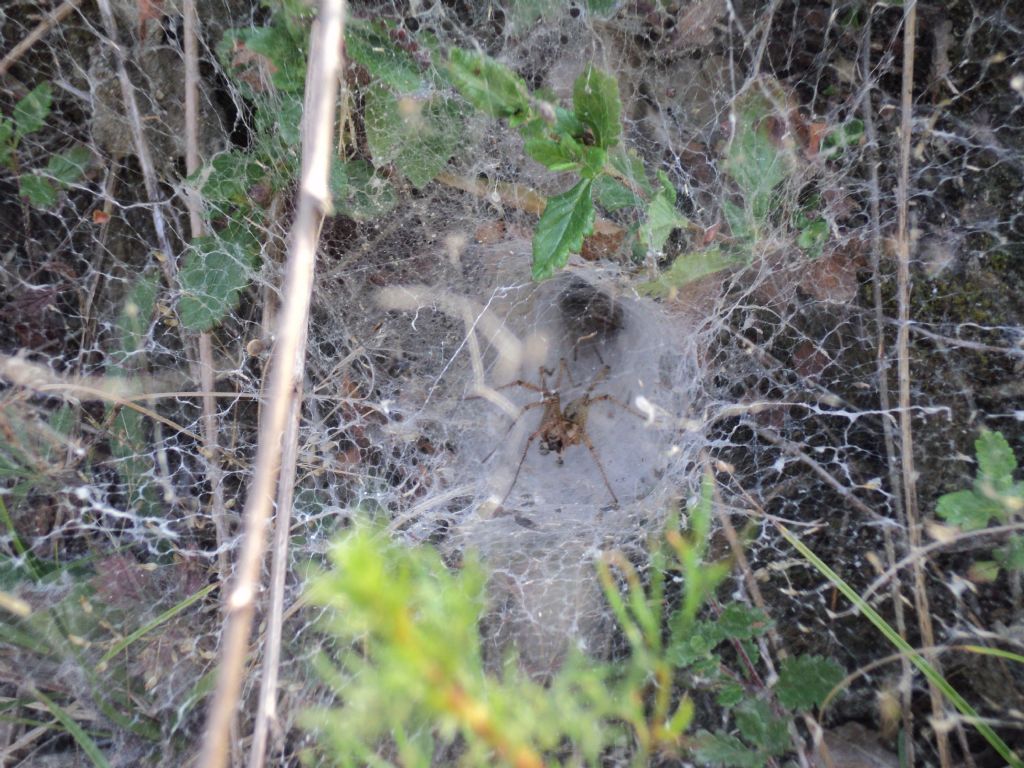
611 399
524 384
525 408
600 376
519 466
597 460
563 370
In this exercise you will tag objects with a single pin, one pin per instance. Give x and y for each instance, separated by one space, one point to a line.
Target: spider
562 427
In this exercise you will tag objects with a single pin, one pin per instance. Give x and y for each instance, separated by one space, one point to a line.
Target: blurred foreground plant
412 685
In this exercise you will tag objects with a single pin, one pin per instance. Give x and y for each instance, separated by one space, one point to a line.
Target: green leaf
662 220
753 160
847 134
742 622
813 236
692 641
567 219
68 167
631 167
740 222
1011 556
762 727
968 510
40 191
721 749
215 271
595 99
358 192
76 731
369 43
996 461
417 134
133 323
286 52
685 269
983 571
489 86
288 120
6 143
805 681
730 695
556 156
612 195
232 174
31 111
601 7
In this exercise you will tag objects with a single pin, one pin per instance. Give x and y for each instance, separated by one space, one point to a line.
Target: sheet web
429 340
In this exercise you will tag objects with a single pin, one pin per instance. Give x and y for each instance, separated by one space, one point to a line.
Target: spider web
780 374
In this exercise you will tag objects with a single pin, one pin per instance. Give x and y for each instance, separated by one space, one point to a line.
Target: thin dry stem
266 710
924 617
41 30
885 403
207 372
139 139
286 373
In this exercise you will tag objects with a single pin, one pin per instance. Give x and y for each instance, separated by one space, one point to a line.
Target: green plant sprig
411 669
42 186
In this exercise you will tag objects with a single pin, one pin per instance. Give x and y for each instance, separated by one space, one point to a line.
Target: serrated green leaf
215 271
805 681
685 269
762 727
32 110
369 43
418 135
40 191
730 695
489 86
742 622
612 195
722 749
595 99
996 461
567 219
68 167
692 642
662 220
358 192
968 510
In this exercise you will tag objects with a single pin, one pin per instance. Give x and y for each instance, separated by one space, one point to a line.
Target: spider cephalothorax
560 428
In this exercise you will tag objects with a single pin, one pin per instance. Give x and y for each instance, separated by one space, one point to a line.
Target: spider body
561 428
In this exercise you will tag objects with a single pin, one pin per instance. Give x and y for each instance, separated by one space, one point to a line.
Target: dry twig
924 617
42 29
286 372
